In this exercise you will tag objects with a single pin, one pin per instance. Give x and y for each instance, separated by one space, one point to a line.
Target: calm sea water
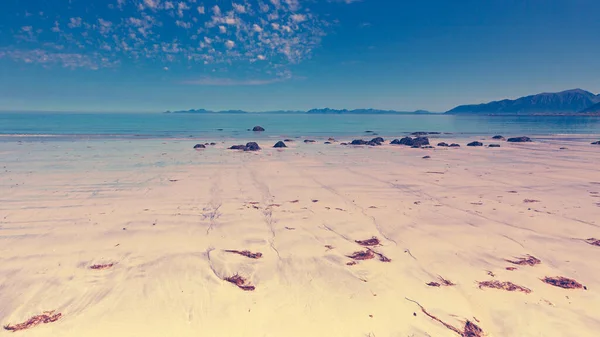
66 125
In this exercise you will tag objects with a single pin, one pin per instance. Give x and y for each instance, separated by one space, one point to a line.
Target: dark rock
427 157
258 128
251 146
427 147
395 142
309 141
359 142
498 137
454 145
415 147
564 148
406 141
378 140
420 141
279 144
327 143
423 133
288 140
206 144
596 143
219 129
343 143
372 143
369 131
331 139
213 144
475 143
443 144
199 146
519 140
237 147
494 145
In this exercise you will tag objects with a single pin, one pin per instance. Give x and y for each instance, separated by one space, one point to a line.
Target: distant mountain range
324 111
569 102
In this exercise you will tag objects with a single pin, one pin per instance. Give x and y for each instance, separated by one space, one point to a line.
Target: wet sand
164 215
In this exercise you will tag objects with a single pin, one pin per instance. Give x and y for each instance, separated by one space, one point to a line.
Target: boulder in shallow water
237 147
199 146
596 143
494 145
309 141
279 144
498 137
251 146
522 139
454 145
475 143
258 128
288 140
327 143
442 144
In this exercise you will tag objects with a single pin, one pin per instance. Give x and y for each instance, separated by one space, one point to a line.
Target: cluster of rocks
444 144
522 139
416 142
251 146
258 129
203 146
373 142
596 143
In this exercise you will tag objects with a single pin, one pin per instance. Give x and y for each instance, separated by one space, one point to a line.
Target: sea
68 126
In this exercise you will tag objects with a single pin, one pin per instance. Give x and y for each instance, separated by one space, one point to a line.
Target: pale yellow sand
164 213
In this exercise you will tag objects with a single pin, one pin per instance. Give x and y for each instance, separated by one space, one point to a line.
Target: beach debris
279 144
511 268
101 266
475 143
362 255
508 286
329 247
381 257
294 201
290 228
521 139
246 253
240 282
529 201
528 260
442 282
593 242
351 263
44 318
315 200
491 273
562 282
469 330
374 241
258 129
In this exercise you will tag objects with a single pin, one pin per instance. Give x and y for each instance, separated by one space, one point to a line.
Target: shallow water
157 125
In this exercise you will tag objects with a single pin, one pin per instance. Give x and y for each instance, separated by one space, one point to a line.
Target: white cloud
229 44
298 17
152 3
239 8
75 22
216 10
222 29
256 28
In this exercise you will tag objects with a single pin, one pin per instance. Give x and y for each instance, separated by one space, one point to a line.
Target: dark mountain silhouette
565 102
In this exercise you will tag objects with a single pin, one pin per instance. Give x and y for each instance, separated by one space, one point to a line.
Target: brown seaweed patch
469 330
511 268
246 253
528 260
44 318
529 201
351 263
562 282
442 282
240 282
362 255
508 286
374 241
593 242
381 257
101 266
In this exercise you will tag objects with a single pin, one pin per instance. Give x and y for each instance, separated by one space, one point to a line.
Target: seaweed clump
44 318
240 282
508 286
528 260
562 282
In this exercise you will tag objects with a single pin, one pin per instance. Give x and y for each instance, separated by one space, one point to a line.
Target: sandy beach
156 219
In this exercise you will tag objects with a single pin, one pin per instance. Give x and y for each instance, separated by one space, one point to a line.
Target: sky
263 55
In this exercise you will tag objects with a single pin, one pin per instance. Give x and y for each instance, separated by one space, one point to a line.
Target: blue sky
154 55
